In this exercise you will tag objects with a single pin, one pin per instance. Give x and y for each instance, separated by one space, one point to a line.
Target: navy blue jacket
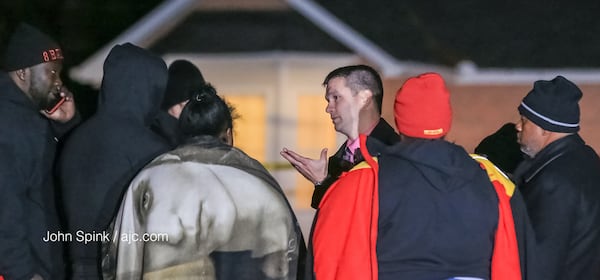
104 153
438 212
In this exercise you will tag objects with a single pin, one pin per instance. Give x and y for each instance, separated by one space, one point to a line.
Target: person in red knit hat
422 107
422 208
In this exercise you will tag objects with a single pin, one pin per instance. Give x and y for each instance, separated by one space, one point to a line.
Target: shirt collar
354 144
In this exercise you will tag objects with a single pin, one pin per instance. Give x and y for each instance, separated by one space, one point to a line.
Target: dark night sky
532 33
80 27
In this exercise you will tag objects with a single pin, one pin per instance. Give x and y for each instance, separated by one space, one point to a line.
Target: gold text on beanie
422 107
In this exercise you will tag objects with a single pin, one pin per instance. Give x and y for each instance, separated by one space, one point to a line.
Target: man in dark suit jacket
354 95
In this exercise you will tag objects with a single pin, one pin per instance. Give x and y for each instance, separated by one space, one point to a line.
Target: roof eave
143 33
170 13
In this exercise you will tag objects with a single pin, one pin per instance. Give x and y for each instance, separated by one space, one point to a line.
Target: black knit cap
28 46
184 78
553 105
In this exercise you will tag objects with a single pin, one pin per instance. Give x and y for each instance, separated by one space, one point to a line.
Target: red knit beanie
422 107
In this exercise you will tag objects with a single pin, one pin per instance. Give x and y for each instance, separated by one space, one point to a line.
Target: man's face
45 84
343 106
531 137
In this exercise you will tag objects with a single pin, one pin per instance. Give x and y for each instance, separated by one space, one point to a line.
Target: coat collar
529 168
383 132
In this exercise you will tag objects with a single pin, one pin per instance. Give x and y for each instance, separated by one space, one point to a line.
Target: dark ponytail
205 114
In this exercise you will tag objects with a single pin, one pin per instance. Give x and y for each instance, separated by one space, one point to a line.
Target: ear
227 137
545 132
230 136
22 73
21 78
366 97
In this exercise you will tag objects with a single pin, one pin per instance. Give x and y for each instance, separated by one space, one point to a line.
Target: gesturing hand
314 170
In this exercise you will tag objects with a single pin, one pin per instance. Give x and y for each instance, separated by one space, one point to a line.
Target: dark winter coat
28 143
102 156
167 126
438 212
561 188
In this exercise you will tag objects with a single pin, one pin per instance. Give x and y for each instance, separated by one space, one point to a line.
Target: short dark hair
205 114
360 77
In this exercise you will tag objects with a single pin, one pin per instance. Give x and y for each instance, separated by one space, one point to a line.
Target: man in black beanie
30 241
184 79
560 182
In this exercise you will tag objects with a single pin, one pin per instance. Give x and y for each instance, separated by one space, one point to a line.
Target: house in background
269 58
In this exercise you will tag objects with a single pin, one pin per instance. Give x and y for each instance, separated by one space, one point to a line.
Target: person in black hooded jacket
102 155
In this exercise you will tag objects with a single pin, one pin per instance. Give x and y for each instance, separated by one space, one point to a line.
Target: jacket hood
445 165
134 83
